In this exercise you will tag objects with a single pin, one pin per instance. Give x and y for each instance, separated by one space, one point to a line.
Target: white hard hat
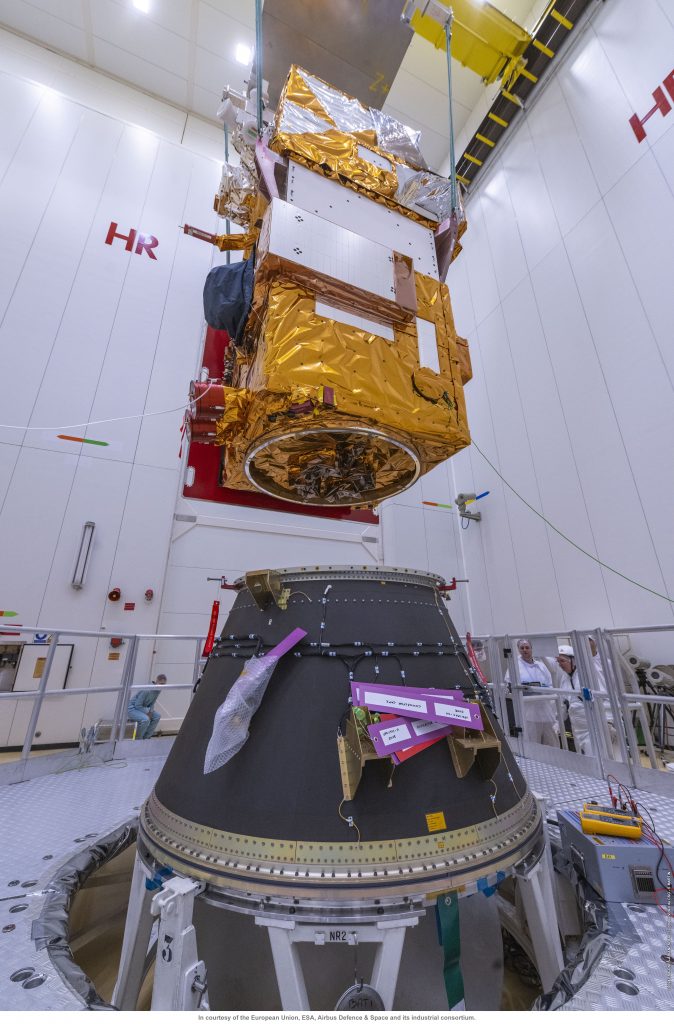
565 649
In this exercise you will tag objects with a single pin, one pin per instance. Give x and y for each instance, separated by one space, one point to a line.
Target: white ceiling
183 51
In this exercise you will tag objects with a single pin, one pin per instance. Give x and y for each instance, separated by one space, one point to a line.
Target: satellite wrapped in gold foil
348 380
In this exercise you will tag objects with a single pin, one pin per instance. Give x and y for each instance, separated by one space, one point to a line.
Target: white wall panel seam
540 502
104 354
93 400
525 124
23 134
463 567
44 212
163 312
47 575
117 81
642 304
192 57
669 14
469 454
587 155
670 131
637 490
496 458
88 31
648 94
484 553
152 64
571 448
501 485
73 281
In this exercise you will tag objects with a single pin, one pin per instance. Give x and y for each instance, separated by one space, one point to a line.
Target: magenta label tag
287 644
399 733
448 706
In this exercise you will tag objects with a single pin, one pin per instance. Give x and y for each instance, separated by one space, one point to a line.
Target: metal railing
124 688
612 715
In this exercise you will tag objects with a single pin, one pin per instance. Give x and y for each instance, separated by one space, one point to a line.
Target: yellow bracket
483 39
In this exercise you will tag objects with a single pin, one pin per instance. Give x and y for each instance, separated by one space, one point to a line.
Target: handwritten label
388 700
403 734
456 713
417 703
436 822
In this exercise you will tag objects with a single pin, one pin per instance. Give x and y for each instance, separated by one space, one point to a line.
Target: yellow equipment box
609 821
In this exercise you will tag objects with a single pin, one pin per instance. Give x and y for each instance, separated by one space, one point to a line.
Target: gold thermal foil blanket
309 373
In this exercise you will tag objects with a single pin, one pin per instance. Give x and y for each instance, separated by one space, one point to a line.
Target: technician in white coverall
540 719
566 676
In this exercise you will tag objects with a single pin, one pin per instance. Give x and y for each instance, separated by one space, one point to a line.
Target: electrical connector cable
561 534
112 419
350 822
650 832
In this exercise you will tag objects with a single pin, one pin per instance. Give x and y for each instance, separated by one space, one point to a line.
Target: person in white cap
567 677
540 719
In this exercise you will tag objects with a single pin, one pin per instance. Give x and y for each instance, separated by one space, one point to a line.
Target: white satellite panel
333 202
428 345
330 250
361 322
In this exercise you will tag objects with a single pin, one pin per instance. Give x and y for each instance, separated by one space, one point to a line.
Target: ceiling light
142 5
244 54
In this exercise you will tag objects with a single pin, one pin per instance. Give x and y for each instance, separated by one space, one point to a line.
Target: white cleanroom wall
564 292
105 334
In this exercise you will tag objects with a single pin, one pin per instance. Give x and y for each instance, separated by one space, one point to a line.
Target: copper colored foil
387 418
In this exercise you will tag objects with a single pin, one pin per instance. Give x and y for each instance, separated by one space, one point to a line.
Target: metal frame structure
610 714
180 975
123 689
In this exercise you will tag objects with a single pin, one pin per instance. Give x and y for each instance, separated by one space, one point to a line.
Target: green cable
568 539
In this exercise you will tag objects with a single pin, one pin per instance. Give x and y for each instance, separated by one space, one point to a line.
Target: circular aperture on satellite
332 466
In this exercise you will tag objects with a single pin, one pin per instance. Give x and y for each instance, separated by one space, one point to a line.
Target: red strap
473 659
210 639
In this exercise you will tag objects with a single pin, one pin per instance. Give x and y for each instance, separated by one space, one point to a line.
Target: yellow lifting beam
483 39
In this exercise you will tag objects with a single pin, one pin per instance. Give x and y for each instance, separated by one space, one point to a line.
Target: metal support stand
538 899
137 931
285 934
179 974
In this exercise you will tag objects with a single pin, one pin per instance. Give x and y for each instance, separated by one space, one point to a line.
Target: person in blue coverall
141 710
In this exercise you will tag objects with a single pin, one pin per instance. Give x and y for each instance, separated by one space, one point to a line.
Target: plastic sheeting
50 930
600 923
232 719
